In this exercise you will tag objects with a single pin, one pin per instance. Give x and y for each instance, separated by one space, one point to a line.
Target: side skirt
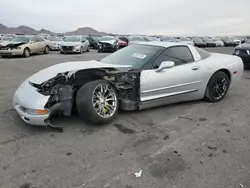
187 96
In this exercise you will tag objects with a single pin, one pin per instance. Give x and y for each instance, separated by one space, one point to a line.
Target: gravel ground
187 145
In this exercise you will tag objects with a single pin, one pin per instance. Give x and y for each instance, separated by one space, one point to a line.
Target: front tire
46 50
87 49
99 50
26 52
114 49
61 52
81 50
217 87
97 102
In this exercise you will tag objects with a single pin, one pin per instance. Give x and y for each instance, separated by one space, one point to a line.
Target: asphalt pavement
187 145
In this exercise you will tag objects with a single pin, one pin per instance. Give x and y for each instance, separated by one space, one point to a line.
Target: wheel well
226 72
27 49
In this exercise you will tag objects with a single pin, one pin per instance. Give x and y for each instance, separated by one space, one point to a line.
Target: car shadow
76 122
20 56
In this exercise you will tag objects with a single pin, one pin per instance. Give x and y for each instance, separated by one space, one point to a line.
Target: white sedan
139 76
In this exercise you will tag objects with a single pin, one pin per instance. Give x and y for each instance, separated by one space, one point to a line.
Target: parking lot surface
187 145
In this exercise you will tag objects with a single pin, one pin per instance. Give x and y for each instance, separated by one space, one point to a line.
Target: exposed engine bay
63 88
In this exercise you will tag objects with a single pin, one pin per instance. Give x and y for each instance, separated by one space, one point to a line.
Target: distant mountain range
28 30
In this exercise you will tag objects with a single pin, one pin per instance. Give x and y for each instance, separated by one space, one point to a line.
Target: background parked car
136 39
24 45
169 39
5 39
186 40
93 41
55 43
150 38
74 44
243 51
121 43
229 42
107 43
123 38
237 41
218 42
241 38
209 42
199 43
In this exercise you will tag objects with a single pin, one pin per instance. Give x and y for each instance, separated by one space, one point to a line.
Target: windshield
208 40
72 39
197 40
135 55
55 39
21 39
133 38
106 38
185 39
7 38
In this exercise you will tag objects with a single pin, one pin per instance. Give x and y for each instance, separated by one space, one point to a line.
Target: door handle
195 68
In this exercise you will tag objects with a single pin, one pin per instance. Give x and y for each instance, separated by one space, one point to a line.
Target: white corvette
137 77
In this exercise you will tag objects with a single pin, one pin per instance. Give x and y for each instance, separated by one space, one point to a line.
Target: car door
176 84
34 44
41 44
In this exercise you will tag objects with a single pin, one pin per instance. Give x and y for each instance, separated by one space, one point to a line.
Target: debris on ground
181 117
138 174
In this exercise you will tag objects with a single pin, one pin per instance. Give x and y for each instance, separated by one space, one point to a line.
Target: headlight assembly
77 46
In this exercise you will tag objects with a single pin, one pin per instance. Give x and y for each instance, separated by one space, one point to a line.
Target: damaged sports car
139 76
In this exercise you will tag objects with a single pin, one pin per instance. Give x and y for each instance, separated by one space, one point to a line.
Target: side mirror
165 65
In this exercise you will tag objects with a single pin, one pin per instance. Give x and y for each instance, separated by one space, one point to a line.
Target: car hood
71 67
13 44
107 41
70 43
244 46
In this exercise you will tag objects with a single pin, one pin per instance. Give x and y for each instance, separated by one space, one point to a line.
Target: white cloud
173 17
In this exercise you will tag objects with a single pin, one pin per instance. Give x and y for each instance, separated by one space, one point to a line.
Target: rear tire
217 87
61 52
87 49
26 52
97 105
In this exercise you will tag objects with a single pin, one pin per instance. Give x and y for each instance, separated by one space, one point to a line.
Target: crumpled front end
29 104
36 106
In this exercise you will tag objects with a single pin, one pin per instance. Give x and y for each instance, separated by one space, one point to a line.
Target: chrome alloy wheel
104 100
219 87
